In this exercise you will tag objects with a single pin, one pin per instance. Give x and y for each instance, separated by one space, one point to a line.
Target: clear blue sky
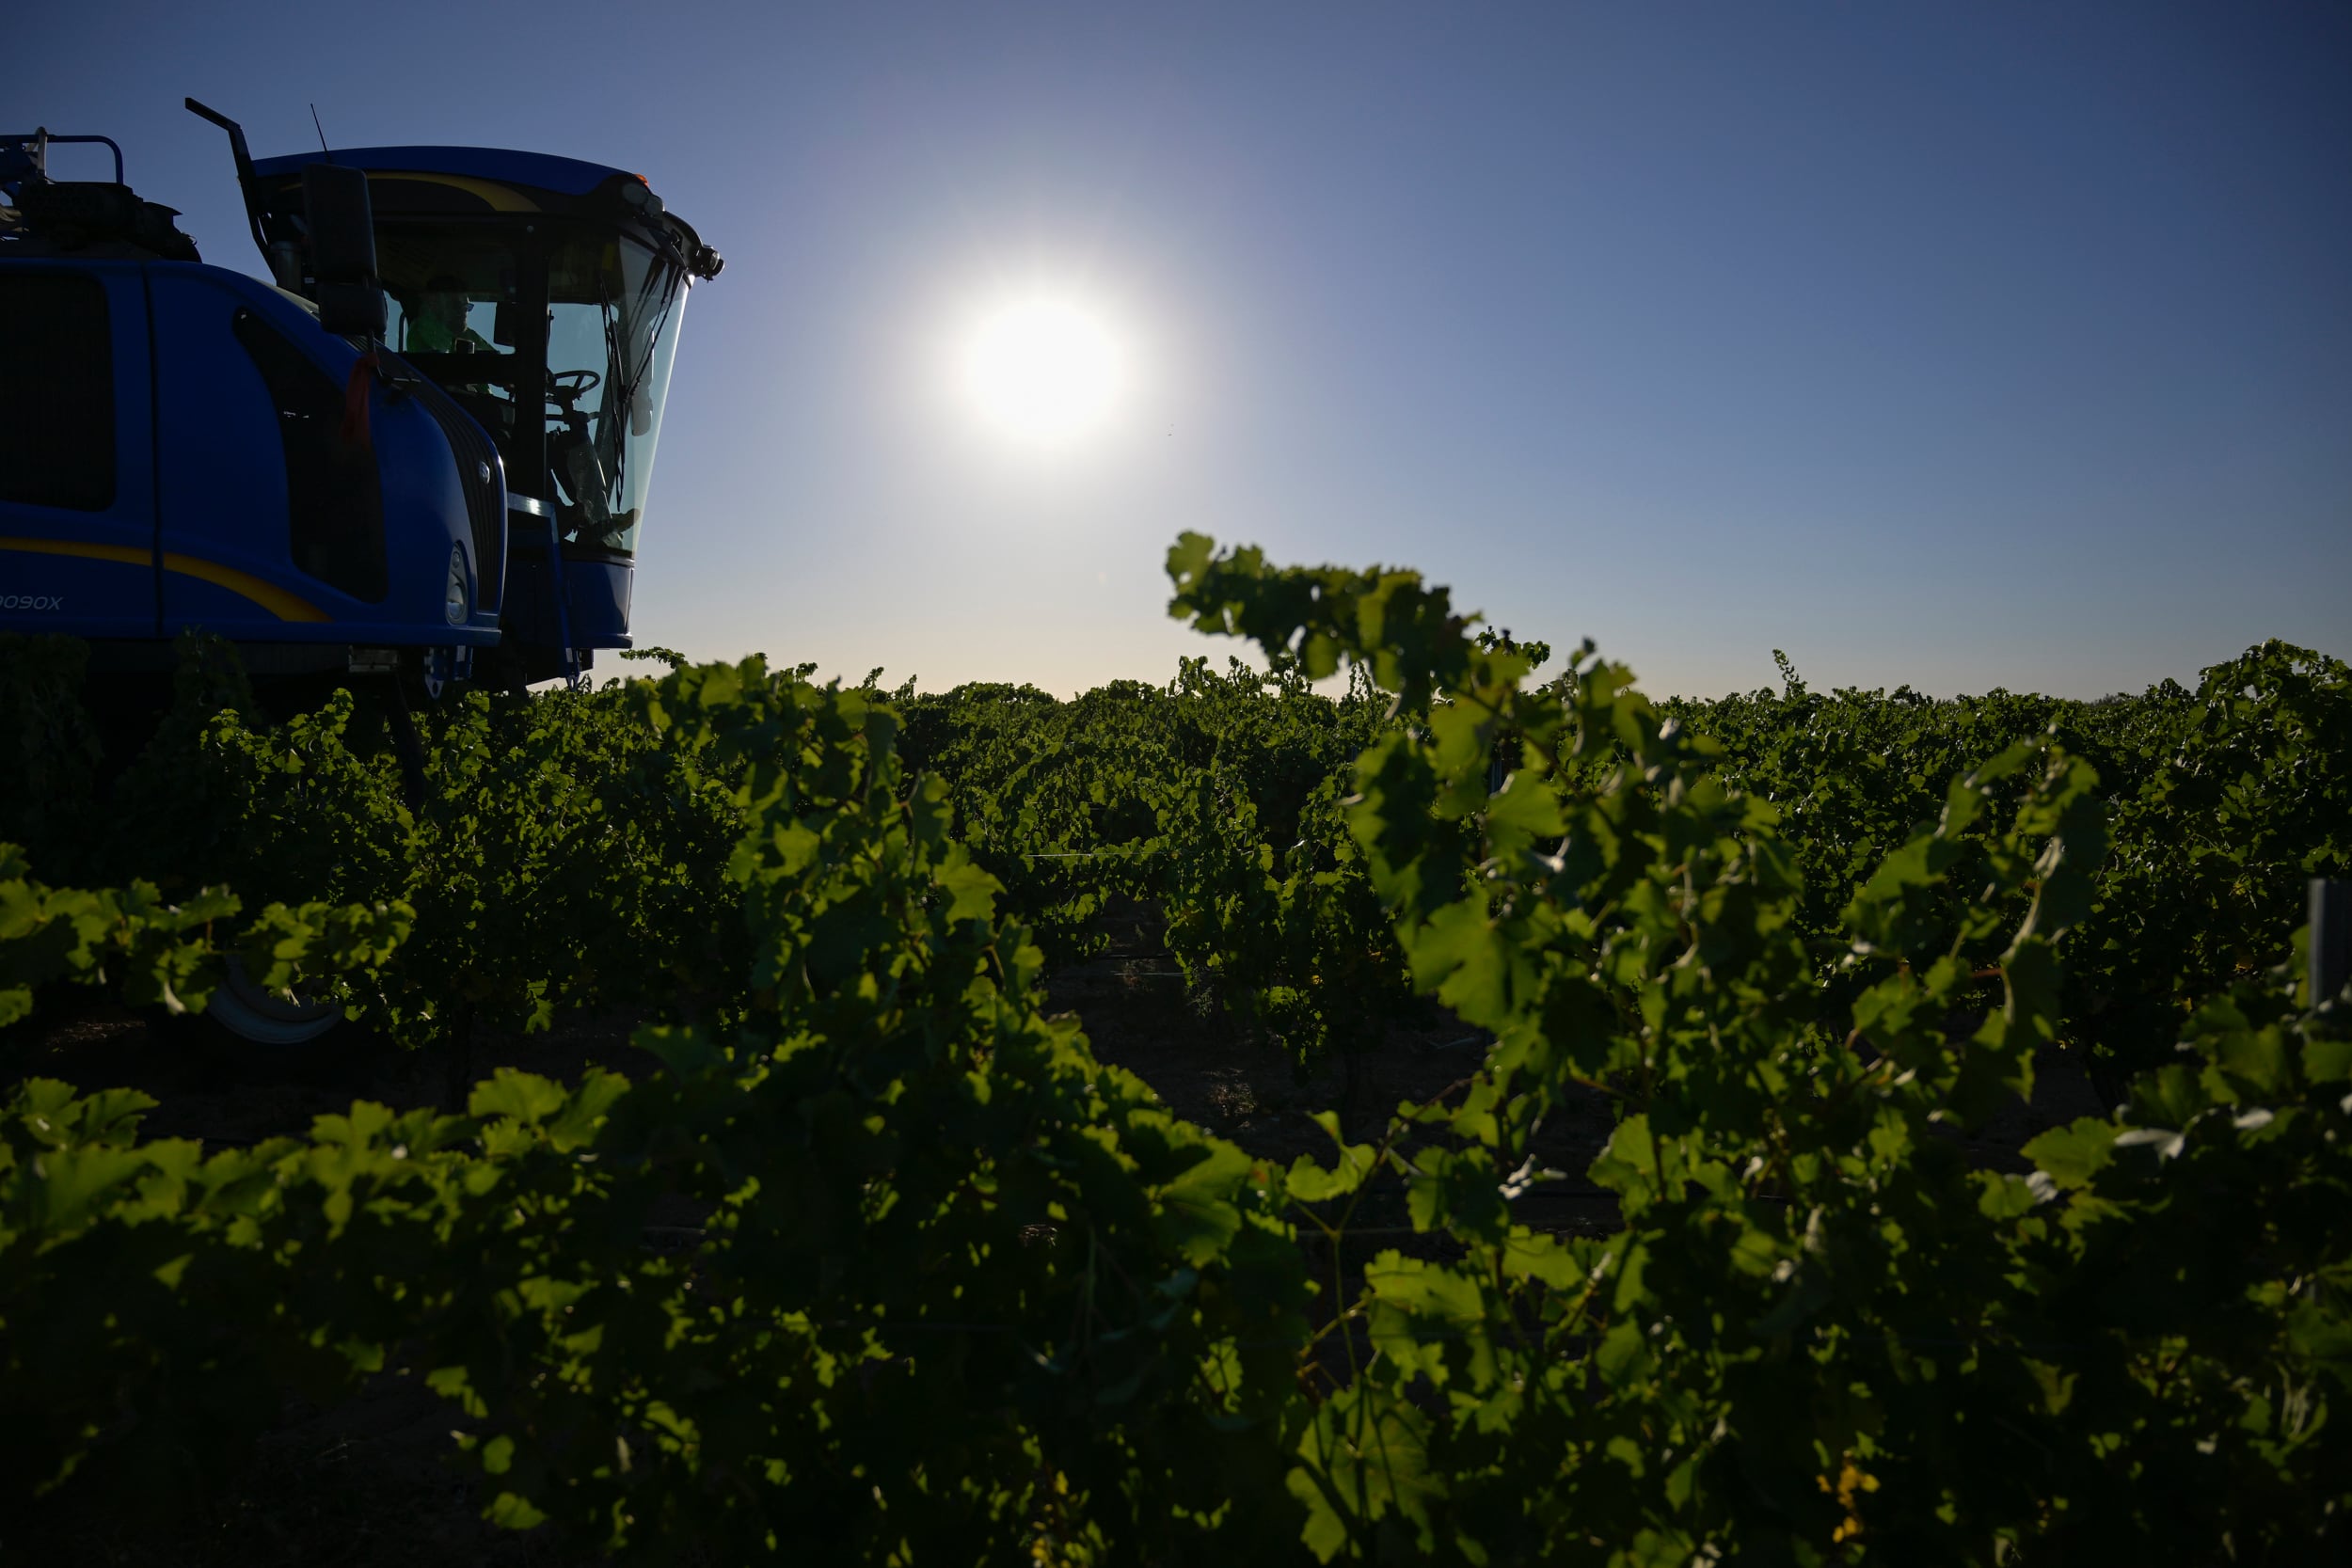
1955 346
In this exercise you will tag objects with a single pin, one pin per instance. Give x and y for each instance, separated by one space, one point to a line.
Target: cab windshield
459 295
614 308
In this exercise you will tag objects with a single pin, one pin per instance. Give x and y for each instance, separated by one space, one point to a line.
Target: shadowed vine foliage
2225 800
51 749
957 1292
1066 803
534 810
1820 1336
1214 798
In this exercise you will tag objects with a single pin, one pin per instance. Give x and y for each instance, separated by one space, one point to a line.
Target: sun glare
1045 369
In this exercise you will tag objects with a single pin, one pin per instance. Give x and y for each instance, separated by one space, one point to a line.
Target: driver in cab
437 325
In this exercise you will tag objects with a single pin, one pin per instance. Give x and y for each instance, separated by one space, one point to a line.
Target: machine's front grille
477 470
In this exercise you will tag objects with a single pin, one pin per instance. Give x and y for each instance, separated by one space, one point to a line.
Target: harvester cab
427 448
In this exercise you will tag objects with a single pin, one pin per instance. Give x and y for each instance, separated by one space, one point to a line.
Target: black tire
266 1017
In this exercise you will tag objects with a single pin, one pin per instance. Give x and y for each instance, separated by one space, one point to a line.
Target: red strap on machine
355 399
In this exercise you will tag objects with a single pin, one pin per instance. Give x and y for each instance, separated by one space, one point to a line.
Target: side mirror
341 222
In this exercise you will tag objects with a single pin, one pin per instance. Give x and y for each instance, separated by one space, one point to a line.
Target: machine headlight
455 606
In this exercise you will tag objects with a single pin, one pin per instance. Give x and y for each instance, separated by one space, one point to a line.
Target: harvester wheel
242 1008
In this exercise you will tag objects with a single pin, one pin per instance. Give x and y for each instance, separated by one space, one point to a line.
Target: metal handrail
41 139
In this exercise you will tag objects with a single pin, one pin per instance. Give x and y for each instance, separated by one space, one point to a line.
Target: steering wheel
569 386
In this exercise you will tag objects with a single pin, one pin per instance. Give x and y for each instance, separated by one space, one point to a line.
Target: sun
1045 369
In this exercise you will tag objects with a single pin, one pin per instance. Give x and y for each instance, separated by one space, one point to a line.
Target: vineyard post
456 1053
2330 939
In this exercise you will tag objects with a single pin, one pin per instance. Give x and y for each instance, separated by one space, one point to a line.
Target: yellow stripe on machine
285 605
501 199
